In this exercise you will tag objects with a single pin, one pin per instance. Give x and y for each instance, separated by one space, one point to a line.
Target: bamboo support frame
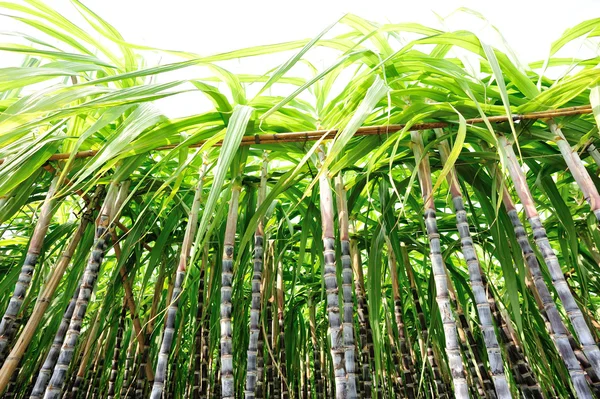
300 137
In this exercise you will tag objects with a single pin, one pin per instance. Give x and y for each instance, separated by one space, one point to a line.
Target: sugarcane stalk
405 358
556 327
197 360
169 332
205 340
46 371
280 296
269 340
87 352
483 308
260 365
315 347
558 280
27 269
277 380
97 370
16 354
439 272
114 369
579 172
522 371
396 375
90 276
348 303
227 383
476 368
251 373
425 342
126 386
331 284
365 332
139 381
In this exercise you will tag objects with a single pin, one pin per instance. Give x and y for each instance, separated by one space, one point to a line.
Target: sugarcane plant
394 223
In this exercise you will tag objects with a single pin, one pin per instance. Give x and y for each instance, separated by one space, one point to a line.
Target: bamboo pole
300 137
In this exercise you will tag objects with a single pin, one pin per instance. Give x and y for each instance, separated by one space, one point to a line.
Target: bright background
209 27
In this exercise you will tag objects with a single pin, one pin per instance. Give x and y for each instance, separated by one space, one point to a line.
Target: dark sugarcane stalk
98 368
139 381
27 269
129 297
200 311
524 376
173 306
280 293
306 394
144 354
483 308
268 322
87 352
86 380
558 280
470 346
348 303
205 344
476 369
51 358
275 348
315 348
473 377
425 343
556 327
331 284
114 369
126 386
251 373
173 366
360 385
227 383
216 388
439 271
269 366
44 300
365 333
591 377
260 365
90 276
396 376
406 360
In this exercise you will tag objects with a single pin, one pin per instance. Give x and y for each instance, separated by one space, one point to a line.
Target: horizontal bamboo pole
299 137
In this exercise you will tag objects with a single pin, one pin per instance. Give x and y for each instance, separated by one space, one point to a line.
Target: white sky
208 27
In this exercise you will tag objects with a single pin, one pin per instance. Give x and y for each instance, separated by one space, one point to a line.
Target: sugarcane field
329 200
